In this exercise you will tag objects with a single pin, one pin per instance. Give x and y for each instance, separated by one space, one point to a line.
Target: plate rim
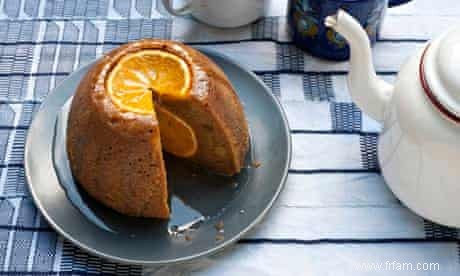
219 247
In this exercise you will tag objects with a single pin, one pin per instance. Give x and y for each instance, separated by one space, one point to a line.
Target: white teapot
419 148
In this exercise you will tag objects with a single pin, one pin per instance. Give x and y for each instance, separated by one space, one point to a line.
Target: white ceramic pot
419 148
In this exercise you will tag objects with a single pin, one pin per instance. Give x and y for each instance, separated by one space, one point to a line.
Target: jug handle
395 3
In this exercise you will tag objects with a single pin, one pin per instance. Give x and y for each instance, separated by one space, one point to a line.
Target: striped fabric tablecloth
335 217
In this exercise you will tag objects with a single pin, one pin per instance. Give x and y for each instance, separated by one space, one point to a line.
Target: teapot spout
368 91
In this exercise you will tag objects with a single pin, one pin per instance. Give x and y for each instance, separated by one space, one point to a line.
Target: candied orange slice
177 137
132 80
137 76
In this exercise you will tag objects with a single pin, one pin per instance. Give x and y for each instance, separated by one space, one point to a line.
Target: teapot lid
439 73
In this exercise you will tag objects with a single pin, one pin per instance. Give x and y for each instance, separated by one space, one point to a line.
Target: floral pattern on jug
336 39
305 18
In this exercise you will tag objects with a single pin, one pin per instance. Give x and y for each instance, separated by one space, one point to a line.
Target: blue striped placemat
335 210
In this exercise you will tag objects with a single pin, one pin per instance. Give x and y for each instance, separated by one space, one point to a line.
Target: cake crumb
220 225
256 164
219 237
188 238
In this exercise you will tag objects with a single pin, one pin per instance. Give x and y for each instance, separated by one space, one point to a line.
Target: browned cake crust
116 155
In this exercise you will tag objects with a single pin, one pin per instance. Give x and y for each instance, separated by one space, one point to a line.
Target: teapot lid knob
439 73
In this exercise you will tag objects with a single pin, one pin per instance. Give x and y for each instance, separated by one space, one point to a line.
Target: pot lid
440 73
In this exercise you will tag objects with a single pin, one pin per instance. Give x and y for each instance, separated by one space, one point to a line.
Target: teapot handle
394 3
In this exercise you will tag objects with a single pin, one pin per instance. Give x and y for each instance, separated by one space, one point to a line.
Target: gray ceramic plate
199 200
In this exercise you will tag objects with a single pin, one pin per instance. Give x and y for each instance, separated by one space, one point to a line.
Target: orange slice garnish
135 78
177 137
136 75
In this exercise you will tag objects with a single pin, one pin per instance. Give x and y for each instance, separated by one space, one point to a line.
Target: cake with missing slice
144 98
